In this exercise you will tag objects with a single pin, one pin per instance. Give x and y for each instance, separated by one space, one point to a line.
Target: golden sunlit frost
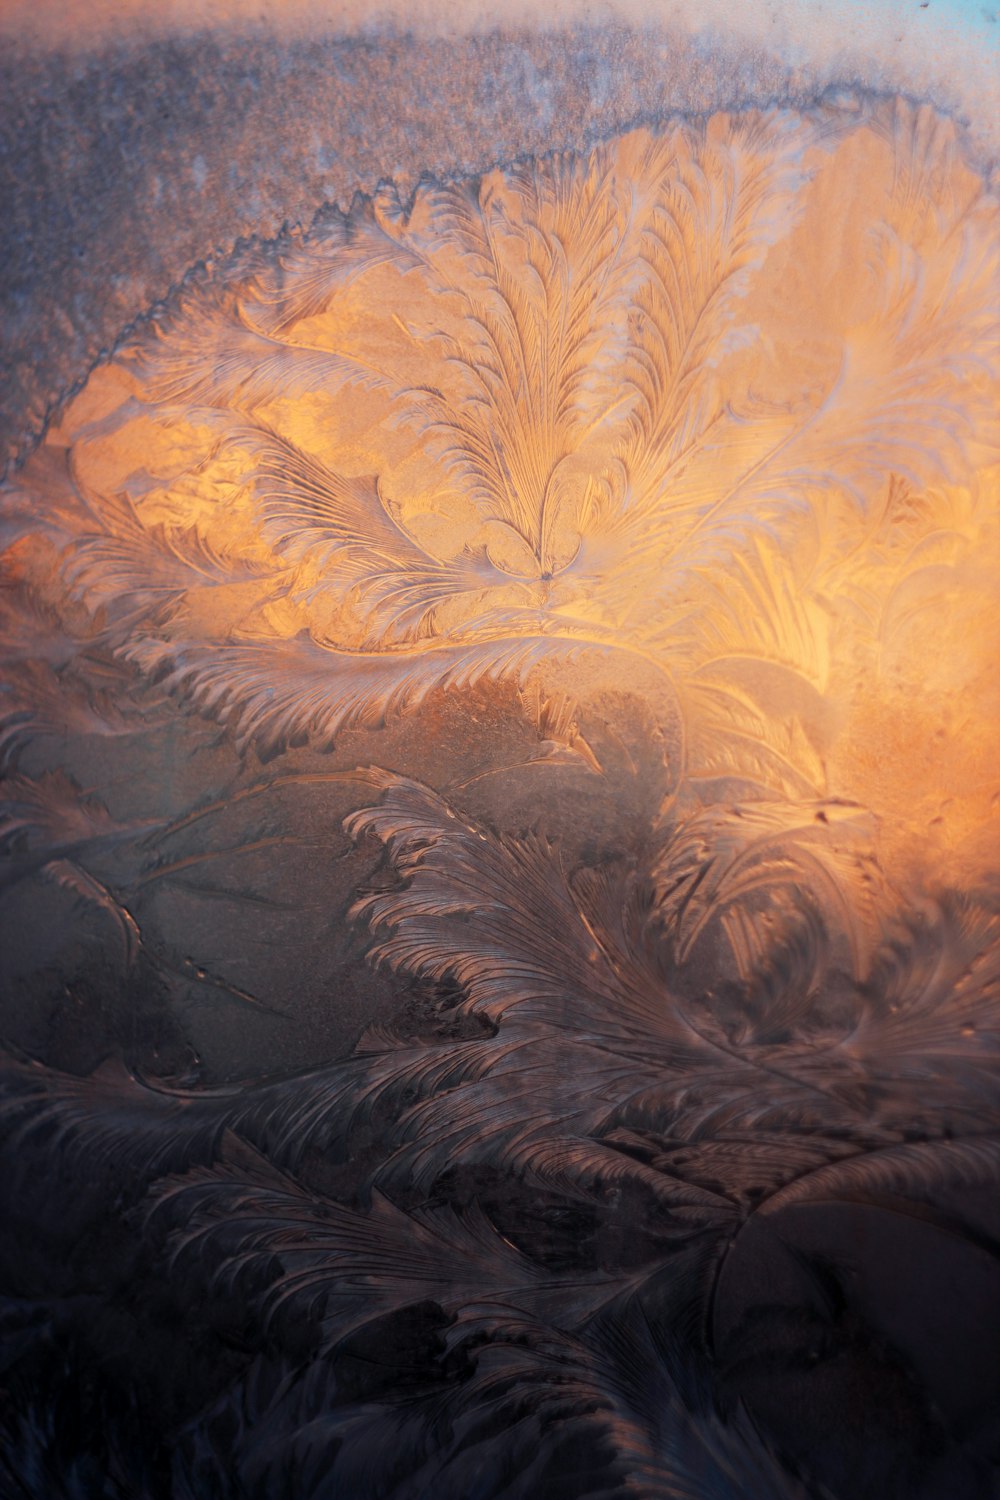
708 412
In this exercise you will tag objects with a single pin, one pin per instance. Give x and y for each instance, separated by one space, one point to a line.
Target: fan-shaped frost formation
658 486
712 404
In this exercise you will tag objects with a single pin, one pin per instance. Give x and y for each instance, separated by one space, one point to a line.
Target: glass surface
500 904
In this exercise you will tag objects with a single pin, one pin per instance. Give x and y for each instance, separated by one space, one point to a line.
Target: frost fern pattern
675 464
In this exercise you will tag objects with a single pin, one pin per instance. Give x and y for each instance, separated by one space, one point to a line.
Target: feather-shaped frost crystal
635 412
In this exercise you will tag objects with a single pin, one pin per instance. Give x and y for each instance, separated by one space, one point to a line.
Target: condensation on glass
501 811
